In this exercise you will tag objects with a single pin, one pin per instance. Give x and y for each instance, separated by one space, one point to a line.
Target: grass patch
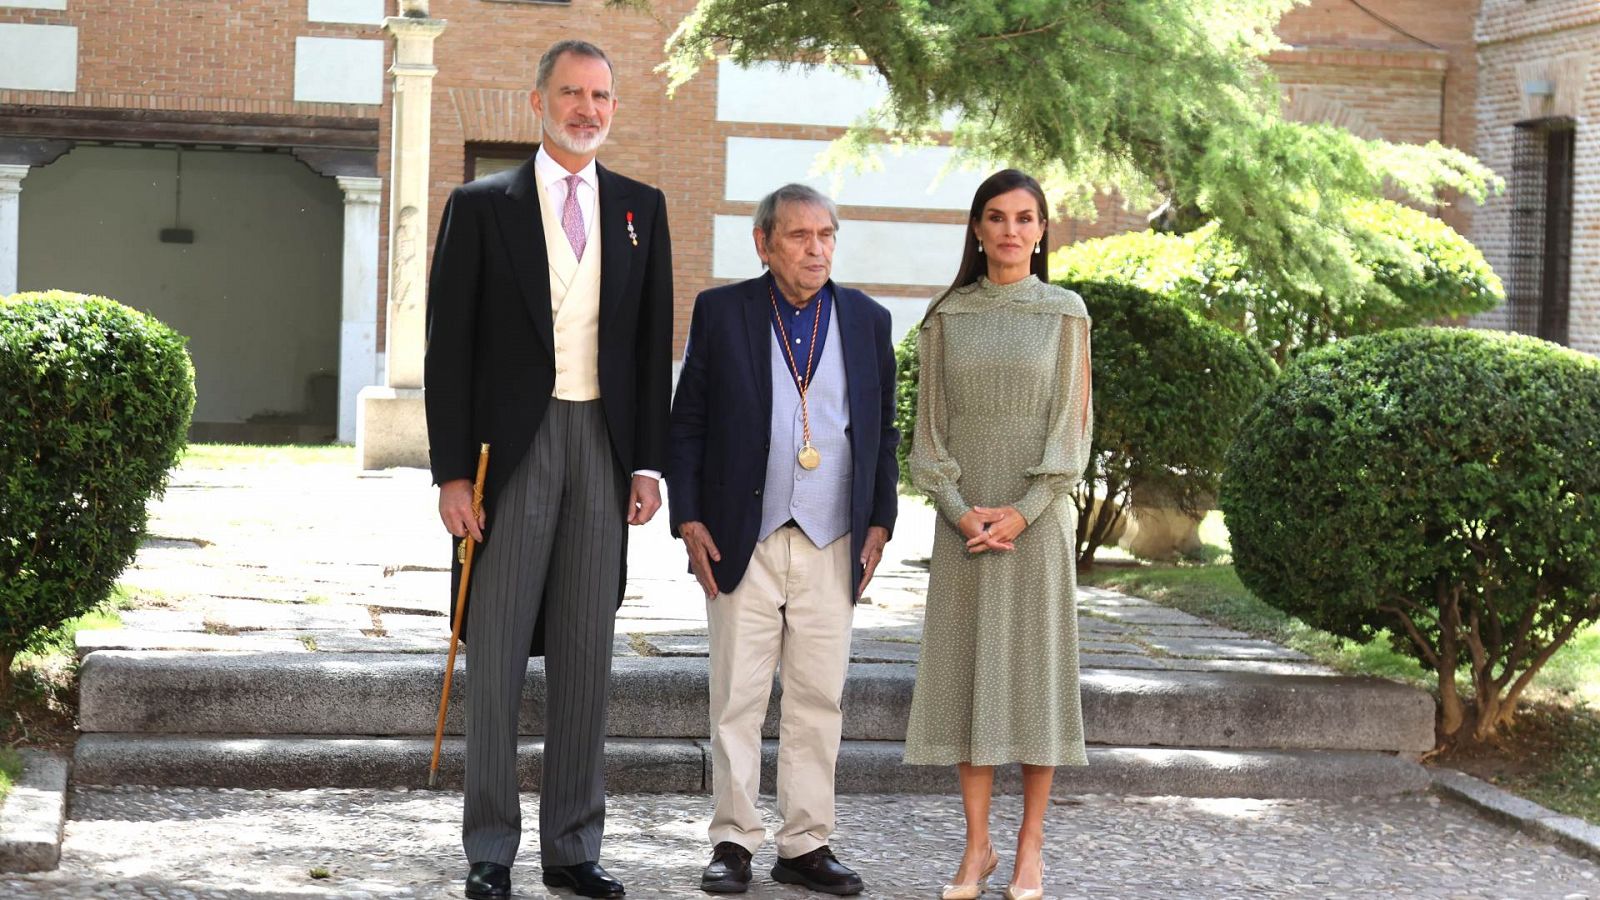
10 770
228 456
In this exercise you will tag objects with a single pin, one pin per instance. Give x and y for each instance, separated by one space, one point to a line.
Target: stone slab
1259 666
884 652
438 626
260 615
90 640
1575 835
345 640
163 620
1194 631
1091 645
1144 615
33 815
397 694
1206 648
306 761
684 766
1121 661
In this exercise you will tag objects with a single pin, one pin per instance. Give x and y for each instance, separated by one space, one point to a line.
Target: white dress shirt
553 176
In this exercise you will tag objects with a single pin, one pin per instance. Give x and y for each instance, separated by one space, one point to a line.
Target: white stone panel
338 70
39 57
909 178
868 252
798 95
33 4
355 12
905 313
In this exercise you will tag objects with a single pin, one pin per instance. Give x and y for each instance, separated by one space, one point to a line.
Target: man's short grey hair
547 62
767 210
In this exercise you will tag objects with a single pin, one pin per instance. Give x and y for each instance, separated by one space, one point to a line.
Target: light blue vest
819 499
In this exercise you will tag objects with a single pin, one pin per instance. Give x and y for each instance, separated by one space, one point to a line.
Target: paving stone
260 615
90 640
1089 645
163 620
1120 661
1146 615
884 652
1205 648
424 625
1261 666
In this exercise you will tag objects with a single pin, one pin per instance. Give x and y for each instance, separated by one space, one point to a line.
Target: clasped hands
460 519
991 528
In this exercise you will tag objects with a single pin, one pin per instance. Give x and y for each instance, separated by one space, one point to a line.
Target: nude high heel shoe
1016 893
974 890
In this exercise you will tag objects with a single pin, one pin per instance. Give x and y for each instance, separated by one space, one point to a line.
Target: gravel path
192 843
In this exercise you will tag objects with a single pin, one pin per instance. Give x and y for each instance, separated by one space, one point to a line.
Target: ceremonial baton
464 554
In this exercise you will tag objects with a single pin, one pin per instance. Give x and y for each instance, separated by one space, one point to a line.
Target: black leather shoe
488 881
585 878
819 871
729 871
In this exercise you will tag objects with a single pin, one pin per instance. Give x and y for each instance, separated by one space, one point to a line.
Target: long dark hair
973 263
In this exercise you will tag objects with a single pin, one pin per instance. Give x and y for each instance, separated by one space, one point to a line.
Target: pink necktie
572 217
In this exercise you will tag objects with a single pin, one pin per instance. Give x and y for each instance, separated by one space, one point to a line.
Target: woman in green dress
1004 416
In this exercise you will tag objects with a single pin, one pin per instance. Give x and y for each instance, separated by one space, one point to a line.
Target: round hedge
1426 470
1169 389
98 398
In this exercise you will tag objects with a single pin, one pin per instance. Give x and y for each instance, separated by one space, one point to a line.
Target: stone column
10 220
390 429
358 326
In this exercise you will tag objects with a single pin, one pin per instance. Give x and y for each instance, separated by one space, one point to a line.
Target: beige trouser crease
793 609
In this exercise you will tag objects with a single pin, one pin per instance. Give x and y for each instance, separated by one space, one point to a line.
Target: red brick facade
1409 70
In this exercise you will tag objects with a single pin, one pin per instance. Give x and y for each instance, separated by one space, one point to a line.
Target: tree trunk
7 683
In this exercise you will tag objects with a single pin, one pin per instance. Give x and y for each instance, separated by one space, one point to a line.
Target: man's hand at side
871 554
455 509
702 553
644 498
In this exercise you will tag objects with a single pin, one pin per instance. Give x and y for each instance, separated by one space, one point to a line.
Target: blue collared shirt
797 324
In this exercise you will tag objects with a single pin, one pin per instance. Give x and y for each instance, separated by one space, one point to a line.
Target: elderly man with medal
781 474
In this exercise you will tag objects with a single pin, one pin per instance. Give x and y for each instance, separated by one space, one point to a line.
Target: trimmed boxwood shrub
1441 483
97 400
1169 389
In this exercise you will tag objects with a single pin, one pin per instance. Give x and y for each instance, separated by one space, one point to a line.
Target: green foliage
1441 483
1416 268
98 399
1169 388
1166 102
10 770
905 403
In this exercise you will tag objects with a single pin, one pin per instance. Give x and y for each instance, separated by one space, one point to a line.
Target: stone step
684 766
364 694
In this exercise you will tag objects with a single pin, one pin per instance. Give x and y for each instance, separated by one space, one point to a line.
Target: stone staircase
331 719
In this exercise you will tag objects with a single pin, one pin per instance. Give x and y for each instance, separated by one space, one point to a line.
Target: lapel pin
632 235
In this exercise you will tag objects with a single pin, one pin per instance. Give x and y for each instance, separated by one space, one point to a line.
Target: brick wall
232 57
1552 40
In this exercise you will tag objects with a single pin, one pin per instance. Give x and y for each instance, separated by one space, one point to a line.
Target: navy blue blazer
720 428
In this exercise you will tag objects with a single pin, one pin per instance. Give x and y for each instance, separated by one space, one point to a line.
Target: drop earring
980 246
1036 247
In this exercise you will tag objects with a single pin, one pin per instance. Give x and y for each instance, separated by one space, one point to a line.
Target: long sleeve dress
1004 415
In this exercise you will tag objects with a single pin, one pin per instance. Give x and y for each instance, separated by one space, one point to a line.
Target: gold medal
809 457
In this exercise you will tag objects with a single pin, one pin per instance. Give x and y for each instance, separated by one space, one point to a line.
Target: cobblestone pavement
191 843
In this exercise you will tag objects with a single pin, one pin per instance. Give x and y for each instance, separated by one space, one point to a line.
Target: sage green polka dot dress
1004 415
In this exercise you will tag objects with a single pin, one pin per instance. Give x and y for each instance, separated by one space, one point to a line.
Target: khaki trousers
793 607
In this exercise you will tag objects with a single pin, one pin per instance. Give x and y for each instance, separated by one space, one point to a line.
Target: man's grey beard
559 136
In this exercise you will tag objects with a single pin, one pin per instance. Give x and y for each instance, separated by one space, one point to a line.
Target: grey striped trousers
557 534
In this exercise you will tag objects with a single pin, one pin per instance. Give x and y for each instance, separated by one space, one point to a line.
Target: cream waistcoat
574 303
